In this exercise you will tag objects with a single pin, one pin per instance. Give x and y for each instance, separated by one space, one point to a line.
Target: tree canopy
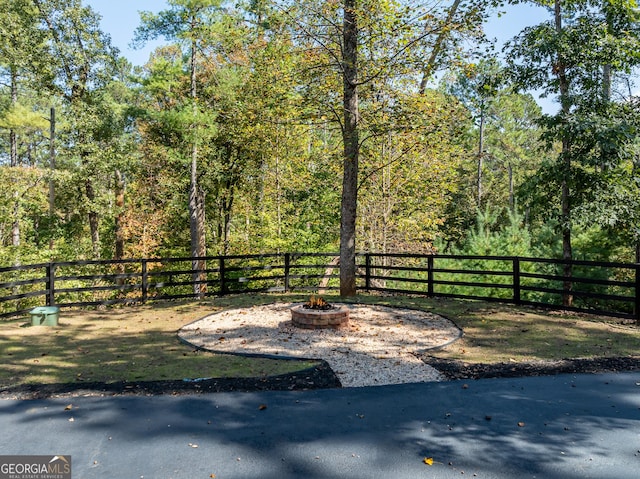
272 125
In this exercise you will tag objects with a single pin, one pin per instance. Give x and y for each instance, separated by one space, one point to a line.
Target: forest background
237 135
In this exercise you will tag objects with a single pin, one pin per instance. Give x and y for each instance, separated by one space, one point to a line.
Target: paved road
584 426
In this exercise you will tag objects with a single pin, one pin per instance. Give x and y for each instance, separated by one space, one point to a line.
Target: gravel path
379 346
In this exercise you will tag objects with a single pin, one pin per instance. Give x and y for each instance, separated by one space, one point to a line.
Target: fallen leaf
428 461
68 407
212 476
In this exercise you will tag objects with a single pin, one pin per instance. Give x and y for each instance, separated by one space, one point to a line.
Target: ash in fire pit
318 314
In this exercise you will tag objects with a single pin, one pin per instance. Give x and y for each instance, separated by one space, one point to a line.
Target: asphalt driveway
566 426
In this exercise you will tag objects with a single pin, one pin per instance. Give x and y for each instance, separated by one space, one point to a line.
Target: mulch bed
320 376
461 370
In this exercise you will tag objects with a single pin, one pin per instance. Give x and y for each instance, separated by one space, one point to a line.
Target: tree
505 125
357 49
81 60
187 21
477 87
21 52
351 140
575 57
410 174
112 131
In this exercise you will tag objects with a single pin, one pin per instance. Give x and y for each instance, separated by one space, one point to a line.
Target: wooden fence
611 289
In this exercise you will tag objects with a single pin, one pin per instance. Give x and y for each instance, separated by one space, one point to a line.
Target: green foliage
267 120
578 58
490 238
409 173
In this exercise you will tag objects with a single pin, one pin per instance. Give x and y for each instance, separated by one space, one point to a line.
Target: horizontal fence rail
611 289
606 288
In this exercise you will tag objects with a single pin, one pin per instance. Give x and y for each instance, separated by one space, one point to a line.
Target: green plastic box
45 316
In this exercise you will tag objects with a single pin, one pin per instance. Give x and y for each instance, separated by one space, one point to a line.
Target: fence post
516 281
145 281
430 259
51 284
287 269
367 271
223 285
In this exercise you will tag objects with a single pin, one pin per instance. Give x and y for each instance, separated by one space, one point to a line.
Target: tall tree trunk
567 253
119 246
13 140
565 102
15 225
202 245
94 221
13 137
119 193
350 136
480 156
52 167
196 199
194 208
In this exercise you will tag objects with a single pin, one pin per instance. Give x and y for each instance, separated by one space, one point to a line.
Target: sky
120 18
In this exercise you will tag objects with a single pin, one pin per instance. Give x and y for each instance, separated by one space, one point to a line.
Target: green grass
496 333
141 343
130 344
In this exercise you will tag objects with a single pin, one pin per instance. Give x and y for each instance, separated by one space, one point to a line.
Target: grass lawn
495 333
124 344
140 342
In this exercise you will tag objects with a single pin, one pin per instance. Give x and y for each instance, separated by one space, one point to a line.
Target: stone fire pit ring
308 318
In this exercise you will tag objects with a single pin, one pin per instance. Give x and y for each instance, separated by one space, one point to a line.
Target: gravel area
380 345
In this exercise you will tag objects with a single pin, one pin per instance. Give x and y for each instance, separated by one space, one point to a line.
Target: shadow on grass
130 349
139 345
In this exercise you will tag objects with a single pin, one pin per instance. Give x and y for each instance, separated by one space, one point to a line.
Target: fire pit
318 314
